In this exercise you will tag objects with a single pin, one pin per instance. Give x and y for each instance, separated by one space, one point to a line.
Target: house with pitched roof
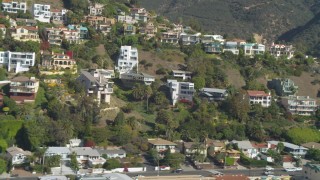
162 145
24 89
25 33
87 155
259 97
311 145
17 155
113 152
64 152
247 148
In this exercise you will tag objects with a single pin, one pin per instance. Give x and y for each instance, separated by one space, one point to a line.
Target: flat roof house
214 94
181 91
300 105
291 148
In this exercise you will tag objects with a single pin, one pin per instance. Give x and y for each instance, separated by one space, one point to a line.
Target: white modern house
182 74
17 155
259 97
17 61
212 38
128 60
300 105
95 9
58 16
180 91
251 49
97 84
13 6
41 12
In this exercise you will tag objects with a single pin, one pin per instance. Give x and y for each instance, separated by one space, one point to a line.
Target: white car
290 169
269 168
298 168
269 173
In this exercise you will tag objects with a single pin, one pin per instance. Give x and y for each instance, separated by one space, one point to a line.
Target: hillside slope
238 18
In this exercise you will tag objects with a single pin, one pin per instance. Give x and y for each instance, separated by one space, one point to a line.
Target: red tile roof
257 93
287 158
2 26
259 145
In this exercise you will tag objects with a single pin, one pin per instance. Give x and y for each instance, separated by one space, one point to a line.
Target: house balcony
22 90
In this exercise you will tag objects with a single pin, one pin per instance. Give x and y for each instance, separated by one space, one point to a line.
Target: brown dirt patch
306 88
234 77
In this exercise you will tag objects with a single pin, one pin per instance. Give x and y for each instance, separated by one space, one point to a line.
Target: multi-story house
214 94
231 47
83 31
283 87
259 97
212 38
182 74
161 145
128 60
87 155
12 6
24 89
190 39
17 61
278 50
3 30
311 171
17 155
137 77
97 85
180 91
55 35
150 30
170 37
25 33
72 36
96 20
59 16
129 29
139 14
213 47
41 12
251 49
300 105
126 19
58 61
95 9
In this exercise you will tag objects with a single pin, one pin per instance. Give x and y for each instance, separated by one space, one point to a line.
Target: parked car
298 168
290 169
177 171
269 168
269 173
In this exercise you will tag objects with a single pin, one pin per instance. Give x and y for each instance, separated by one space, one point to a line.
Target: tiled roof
311 145
287 158
259 145
15 150
257 93
159 141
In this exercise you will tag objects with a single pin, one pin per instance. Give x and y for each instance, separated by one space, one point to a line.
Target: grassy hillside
239 18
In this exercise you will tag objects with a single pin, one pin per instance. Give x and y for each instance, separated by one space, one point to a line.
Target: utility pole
158 163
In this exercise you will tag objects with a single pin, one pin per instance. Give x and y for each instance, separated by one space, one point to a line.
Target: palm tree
147 93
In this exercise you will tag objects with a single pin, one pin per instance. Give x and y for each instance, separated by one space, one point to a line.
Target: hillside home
311 171
83 31
212 38
215 145
24 89
12 21
213 47
139 14
137 77
96 20
17 61
170 37
191 148
97 85
162 145
180 91
58 61
231 47
12 6
251 49
126 19
25 22
113 152
300 105
17 155
75 143
88 155
128 60
259 97
283 87
95 9
291 148
59 16
41 12
129 29
3 30
72 36
247 148
189 39
55 35
150 30
311 145
177 28
185 75
278 50
214 94
25 33
63 152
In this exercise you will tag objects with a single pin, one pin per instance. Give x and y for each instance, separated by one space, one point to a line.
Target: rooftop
23 79
311 145
15 150
58 150
213 90
159 141
288 145
85 151
243 144
257 93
